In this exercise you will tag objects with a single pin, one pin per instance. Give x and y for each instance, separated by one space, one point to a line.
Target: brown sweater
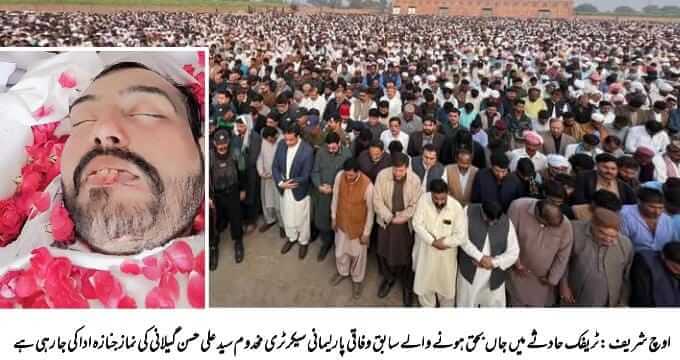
351 215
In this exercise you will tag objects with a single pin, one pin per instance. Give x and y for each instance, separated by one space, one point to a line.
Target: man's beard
111 227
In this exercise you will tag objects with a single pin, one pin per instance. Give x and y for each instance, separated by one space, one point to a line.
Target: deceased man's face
131 170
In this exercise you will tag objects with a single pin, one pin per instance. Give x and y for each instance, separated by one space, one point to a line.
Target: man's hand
365 239
325 189
520 269
439 244
289 184
242 195
398 219
486 262
566 295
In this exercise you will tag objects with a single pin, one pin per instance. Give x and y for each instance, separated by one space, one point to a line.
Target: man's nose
109 132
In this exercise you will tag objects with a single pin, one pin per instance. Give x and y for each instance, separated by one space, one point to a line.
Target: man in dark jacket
494 185
603 177
225 190
655 277
291 171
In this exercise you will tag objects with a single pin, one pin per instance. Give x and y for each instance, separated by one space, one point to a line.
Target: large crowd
489 162
483 161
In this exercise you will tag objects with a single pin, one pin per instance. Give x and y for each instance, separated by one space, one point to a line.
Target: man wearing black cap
225 190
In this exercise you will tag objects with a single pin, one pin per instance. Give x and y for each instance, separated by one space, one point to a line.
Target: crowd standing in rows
488 162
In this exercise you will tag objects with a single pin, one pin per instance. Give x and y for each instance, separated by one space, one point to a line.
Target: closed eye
82 122
158 116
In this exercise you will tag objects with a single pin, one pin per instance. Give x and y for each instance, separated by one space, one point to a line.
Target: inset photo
102 178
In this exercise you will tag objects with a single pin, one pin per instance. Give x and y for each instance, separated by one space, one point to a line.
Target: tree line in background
649 10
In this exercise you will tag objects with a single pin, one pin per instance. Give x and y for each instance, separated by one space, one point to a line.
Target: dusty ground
266 278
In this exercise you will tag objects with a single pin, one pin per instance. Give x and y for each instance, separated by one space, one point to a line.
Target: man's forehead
122 79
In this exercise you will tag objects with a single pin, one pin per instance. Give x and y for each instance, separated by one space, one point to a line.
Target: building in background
509 8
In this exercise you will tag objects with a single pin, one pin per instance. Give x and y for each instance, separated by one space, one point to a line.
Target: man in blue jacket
291 170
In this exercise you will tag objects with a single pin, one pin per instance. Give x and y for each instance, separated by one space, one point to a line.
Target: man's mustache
147 169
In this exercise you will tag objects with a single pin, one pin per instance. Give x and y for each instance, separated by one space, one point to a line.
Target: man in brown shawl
396 193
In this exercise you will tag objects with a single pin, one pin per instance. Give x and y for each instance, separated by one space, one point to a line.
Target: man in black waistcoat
485 260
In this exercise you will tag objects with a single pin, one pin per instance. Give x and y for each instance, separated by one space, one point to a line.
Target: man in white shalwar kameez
269 194
481 275
440 227
291 171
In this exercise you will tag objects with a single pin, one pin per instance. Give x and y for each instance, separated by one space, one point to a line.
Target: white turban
558 161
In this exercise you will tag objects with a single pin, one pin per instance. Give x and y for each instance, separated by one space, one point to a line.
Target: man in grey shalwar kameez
545 239
327 163
599 267
269 193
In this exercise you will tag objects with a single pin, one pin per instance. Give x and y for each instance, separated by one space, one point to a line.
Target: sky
637 4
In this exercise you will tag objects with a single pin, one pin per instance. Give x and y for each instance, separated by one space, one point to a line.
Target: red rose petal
60 290
108 289
169 283
159 298
181 255
43 111
39 302
62 225
150 261
166 264
8 284
26 285
189 69
87 287
151 272
130 267
40 259
127 303
199 222
41 200
67 80
196 290
6 304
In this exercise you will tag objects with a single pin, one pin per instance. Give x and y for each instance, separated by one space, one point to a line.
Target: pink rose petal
152 273
196 290
108 288
26 285
127 303
43 111
60 290
181 255
159 298
150 261
40 259
169 283
41 201
199 263
67 80
87 287
130 267
62 225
